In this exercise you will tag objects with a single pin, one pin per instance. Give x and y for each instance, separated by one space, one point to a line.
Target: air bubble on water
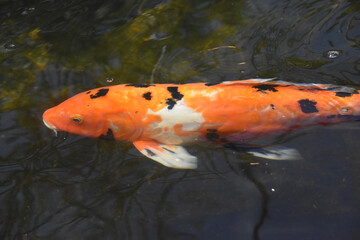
10 46
109 80
333 54
27 11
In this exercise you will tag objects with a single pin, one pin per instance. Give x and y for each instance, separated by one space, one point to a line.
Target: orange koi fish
160 118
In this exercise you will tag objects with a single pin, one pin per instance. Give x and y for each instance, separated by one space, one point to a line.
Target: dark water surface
71 187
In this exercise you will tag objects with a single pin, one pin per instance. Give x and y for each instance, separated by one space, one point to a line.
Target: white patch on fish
179 114
211 95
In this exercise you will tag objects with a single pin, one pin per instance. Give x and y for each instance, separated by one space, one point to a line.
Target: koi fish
159 119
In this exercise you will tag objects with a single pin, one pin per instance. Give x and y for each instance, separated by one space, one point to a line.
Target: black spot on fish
149 152
136 112
100 93
147 96
266 87
272 106
109 135
343 94
212 136
175 94
308 106
88 92
139 85
168 150
212 84
171 103
211 130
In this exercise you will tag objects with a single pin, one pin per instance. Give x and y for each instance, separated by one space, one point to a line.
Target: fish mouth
52 127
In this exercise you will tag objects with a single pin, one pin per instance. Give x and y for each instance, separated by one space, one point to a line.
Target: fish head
344 107
96 113
76 115
351 107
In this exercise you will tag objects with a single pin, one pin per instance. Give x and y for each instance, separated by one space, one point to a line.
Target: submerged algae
136 50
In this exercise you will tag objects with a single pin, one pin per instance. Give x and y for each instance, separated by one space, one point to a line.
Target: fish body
160 118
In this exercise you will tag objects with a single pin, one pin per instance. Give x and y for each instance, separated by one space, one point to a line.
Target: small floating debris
27 11
332 54
109 80
254 163
217 48
10 46
158 36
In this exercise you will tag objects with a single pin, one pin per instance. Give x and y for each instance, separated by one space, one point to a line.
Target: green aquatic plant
303 63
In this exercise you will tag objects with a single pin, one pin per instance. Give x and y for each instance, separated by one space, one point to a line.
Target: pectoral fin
173 156
276 153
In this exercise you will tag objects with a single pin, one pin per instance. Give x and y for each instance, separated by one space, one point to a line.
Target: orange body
238 111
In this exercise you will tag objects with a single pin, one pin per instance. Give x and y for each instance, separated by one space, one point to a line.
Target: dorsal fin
325 87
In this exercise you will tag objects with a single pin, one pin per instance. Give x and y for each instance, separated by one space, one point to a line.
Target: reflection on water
70 187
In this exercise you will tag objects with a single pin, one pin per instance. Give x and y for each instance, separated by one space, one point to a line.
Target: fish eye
76 118
345 109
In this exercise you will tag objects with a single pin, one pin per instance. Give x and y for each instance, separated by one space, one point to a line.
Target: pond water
71 187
